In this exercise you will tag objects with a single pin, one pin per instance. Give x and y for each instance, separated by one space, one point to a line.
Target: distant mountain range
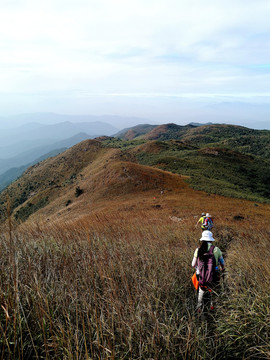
24 157
14 167
33 133
26 144
119 122
12 174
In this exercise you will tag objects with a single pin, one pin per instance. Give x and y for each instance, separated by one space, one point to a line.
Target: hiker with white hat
207 259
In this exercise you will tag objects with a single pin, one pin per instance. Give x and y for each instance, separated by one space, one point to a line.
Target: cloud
134 47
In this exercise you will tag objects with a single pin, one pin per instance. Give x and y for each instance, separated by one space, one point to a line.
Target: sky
173 60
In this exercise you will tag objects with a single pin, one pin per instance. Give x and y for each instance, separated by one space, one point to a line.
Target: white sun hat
207 236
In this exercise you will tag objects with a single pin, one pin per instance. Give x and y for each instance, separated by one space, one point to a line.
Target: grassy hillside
212 169
96 262
106 167
12 174
115 283
247 141
216 170
167 132
42 182
230 160
89 173
135 131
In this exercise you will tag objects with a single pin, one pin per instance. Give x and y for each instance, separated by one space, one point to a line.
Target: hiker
208 222
201 220
207 259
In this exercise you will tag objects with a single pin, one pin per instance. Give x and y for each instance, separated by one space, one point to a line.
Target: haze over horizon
163 61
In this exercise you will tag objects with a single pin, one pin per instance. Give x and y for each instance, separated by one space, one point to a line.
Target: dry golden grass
116 285
108 276
114 185
111 181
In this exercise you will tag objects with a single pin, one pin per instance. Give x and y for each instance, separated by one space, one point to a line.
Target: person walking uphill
206 222
201 221
207 259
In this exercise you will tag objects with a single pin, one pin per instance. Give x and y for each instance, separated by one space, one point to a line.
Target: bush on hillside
78 191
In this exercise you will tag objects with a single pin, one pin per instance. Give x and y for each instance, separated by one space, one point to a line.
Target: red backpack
208 223
207 268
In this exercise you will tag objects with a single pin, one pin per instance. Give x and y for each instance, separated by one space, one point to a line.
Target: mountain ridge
239 137
107 168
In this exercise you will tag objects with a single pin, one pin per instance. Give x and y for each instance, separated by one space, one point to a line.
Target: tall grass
95 289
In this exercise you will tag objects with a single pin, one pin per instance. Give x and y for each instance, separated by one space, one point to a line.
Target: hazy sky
152 58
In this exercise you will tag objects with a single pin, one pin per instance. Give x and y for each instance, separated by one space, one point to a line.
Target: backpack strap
211 250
